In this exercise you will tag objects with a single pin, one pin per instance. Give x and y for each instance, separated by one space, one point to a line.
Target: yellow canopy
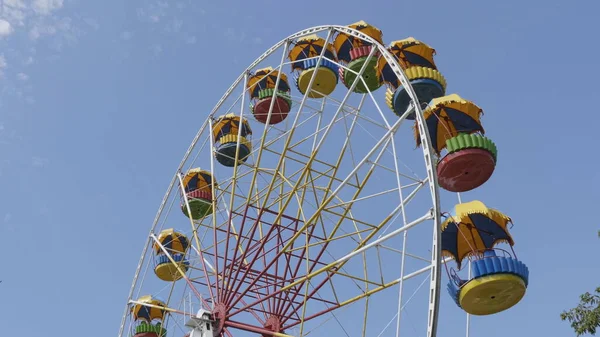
343 43
197 179
411 52
229 125
309 46
266 78
368 30
146 313
448 116
473 228
173 241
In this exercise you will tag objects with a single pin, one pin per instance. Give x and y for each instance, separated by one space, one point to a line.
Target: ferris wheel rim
428 155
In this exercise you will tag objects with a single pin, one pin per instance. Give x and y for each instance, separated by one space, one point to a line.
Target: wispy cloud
5 28
2 65
45 7
170 22
7 222
7 137
157 49
179 20
22 77
38 162
153 12
240 36
24 23
126 35
191 40
23 14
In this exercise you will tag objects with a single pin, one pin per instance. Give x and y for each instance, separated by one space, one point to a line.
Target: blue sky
100 99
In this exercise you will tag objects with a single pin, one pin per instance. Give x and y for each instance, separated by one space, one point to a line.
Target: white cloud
8 225
176 21
5 28
153 12
126 35
2 64
37 16
240 36
39 30
157 49
62 28
191 40
14 11
45 7
174 26
93 23
38 161
229 33
39 20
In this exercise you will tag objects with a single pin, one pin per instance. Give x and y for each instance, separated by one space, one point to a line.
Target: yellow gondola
174 242
497 282
304 56
171 267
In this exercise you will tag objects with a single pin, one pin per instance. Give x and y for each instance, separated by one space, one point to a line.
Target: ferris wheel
303 208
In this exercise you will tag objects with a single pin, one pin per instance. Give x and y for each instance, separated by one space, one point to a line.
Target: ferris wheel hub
274 324
219 315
